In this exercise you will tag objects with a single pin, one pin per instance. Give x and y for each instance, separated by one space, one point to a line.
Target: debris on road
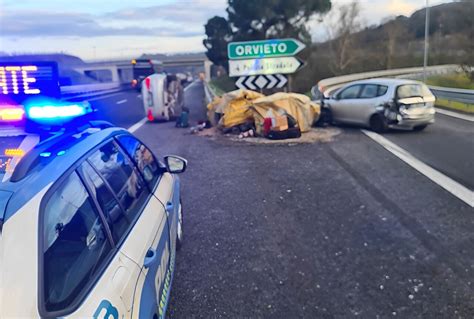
279 116
315 135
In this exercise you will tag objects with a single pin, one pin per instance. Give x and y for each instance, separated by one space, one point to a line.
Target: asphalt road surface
326 230
447 146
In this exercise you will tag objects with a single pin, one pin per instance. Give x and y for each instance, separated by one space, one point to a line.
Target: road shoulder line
137 125
455 188
465 117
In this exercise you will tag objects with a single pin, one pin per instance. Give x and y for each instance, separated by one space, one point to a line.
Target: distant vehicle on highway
143 68
90 219
381 104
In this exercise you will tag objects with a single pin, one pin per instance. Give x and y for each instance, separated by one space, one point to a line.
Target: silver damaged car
381 104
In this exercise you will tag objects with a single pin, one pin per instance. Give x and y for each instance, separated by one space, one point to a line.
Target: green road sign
264 49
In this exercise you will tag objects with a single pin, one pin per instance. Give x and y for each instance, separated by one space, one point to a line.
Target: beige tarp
243 106
235 107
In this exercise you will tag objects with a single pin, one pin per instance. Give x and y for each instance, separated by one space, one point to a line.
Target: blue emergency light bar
55 113
52 112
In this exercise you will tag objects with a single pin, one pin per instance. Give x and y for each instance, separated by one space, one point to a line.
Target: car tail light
150 115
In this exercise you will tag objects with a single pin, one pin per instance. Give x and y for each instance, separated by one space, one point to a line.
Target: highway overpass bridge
120 71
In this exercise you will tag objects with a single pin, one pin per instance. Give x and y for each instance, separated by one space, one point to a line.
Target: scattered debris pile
251 114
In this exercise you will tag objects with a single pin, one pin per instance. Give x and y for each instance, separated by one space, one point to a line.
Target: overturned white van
163 97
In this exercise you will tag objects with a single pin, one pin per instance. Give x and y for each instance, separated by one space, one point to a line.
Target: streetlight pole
427 30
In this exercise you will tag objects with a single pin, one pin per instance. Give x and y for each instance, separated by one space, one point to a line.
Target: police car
90 219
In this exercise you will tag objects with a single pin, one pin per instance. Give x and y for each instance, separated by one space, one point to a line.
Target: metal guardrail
452 94
327 86
83 89
208 92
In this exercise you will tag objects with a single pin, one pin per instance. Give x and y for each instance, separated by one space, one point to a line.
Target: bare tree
344 22
394 31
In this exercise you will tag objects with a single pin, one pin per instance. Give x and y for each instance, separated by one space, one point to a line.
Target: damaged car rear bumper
412 122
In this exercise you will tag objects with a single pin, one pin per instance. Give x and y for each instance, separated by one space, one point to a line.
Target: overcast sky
116 28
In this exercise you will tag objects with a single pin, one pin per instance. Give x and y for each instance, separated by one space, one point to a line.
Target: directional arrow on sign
285 65
282 80
264 48
261 82
273 81
240 82
249 83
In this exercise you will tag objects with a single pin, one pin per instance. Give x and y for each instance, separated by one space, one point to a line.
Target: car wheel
179 232
419 128
378 124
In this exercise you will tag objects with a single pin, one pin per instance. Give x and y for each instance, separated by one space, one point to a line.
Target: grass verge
222 84
456 106
458 81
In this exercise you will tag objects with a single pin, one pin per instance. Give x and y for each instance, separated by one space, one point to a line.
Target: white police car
90 221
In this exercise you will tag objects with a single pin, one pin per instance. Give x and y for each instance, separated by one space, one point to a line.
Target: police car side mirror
175 164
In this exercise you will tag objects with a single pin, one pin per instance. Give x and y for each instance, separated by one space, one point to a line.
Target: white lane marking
122 101
139 96
137 125
104 96
455 188
457 115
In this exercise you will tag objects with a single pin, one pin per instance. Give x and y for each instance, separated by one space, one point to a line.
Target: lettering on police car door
106 311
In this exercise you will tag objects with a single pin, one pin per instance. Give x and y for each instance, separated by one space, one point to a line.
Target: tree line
352 46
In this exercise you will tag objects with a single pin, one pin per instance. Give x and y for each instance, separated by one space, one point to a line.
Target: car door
81 272
342 103
139 223
160 183
365 105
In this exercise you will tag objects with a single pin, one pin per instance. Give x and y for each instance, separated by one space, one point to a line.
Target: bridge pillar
207 70
115 74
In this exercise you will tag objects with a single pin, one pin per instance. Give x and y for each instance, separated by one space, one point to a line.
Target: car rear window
369 91
382 90
413 90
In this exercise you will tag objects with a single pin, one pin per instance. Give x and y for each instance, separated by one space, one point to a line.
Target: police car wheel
179 236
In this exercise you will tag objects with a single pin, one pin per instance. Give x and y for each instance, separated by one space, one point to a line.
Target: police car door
153 285
81 272
136 223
